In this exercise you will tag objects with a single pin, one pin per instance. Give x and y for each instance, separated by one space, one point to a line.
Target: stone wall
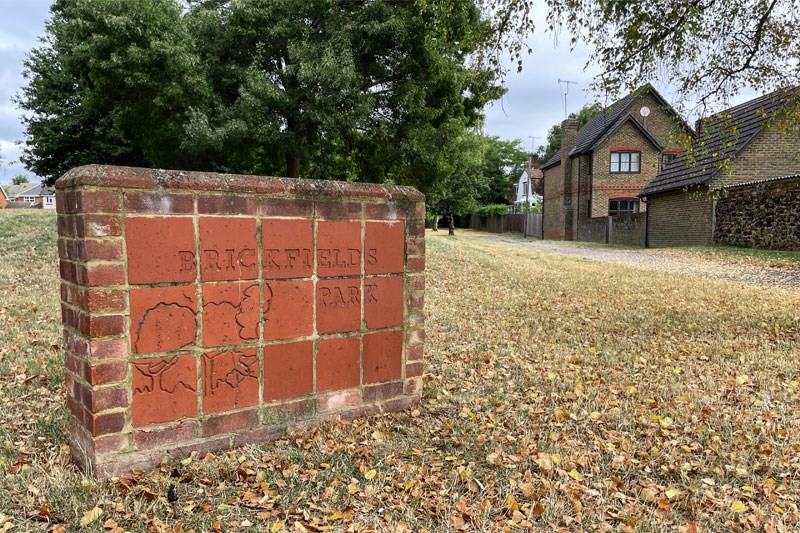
760 215
203 311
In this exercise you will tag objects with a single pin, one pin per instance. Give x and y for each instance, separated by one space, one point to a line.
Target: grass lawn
560 393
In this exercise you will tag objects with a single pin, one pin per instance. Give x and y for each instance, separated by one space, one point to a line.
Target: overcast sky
533 103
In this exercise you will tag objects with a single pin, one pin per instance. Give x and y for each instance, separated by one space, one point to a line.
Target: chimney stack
534 161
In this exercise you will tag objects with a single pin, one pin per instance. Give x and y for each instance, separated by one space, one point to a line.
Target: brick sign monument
203 311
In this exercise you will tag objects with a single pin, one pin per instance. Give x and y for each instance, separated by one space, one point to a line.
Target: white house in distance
30 195
524 190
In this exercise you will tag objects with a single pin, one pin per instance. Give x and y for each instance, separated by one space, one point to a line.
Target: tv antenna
533 138
562 84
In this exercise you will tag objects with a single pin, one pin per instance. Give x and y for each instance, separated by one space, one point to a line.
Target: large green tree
375 90
111 82
502 163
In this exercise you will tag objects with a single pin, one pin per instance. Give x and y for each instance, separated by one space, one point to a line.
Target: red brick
159 202
338 363
230 380
155 438
415 317
377 393
288 309
101 249
416 264
400 404
105 274
383 302
384 211
67 271
282 207
229 422
231 313
226 204
385 247
109 349
106 423
415 246
163 319
160 249
287 247
416 229
257 436
99 201
98 226
413 387
110 443
288 370
105 373
338 209
338 305
416 302
414 370
81 274
338 248
228 248
105 399
415 336
102 326
104 300
415 353
164 389
383 356
339 400
66 226
289 411
417 211
63 251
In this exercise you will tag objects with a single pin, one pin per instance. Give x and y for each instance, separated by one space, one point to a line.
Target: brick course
203 311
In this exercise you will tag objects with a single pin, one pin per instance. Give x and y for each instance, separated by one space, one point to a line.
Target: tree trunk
436 222
451 226
292 165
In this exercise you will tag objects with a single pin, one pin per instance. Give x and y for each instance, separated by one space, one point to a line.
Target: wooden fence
529 225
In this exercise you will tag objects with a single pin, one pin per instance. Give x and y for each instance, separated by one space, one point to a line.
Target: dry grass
560 393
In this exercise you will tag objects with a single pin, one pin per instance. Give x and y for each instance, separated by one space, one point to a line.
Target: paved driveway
743 270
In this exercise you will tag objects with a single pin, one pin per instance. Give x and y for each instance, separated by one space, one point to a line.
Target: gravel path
751 272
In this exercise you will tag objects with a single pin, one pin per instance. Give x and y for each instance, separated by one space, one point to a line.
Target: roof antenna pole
533 138
562 83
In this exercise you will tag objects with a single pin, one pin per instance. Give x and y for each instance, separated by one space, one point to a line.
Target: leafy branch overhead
707 50
375 91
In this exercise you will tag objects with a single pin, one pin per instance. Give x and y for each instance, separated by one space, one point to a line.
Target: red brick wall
203 311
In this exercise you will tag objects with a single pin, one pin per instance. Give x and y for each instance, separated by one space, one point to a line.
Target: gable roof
722 138
610 119
13 191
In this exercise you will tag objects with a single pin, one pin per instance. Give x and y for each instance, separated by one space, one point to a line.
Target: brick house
738 145
603 166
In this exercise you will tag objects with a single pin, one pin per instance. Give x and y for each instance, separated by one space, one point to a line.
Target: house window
525 189
667 158
623 206
625 162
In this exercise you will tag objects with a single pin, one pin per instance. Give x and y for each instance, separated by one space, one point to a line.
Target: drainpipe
646 223
578 213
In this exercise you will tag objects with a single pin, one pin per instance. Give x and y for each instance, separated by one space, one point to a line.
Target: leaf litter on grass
559 394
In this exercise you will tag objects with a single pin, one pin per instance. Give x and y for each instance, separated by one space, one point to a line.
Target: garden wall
760 215
627 230
204 311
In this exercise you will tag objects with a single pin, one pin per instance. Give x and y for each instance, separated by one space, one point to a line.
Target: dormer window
625 162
